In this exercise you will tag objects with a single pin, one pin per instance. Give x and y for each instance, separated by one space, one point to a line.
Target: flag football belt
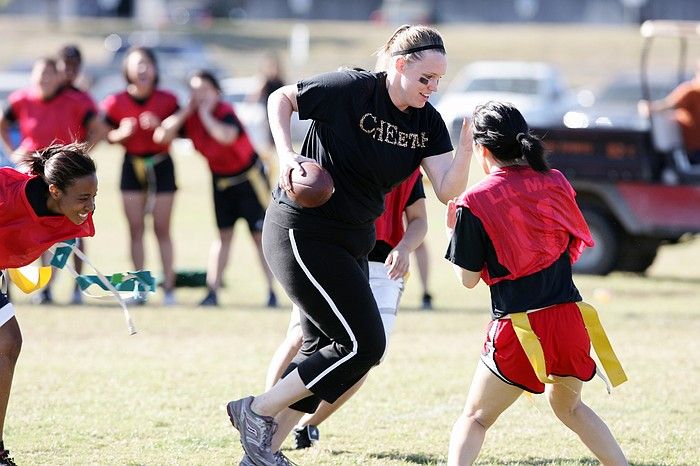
144 168
120 285
253 174
601 344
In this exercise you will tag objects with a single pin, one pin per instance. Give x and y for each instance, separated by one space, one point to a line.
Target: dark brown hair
61 165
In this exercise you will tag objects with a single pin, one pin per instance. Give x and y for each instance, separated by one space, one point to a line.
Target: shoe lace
6 459
268 433
281 460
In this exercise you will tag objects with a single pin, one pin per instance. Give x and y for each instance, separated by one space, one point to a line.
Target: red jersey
62 118
530 217
389 226
223 159
24 236
119 106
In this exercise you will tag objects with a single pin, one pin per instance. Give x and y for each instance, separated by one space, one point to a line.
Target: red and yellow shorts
564 340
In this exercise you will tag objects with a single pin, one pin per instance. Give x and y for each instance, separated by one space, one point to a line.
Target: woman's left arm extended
447 173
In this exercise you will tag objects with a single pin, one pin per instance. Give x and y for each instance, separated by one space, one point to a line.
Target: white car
536 89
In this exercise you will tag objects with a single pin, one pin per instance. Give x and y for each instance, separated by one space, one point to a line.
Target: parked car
615 104
537 89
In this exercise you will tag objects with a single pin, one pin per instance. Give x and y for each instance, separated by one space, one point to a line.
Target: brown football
314 188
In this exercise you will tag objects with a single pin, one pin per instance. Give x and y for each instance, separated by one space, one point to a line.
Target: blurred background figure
423 264
684 100
148 173
48 112
240 186
270 78
69 62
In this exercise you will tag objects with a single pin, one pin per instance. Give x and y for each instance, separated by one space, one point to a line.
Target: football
313 188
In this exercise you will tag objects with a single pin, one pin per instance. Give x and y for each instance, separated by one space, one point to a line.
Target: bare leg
257 237
10 346
218 258
162 212
488 397
274 401
325 409
423 263
286 420
283 356
565 399
134 203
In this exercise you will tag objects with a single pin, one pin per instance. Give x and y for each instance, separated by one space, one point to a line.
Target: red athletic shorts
564 341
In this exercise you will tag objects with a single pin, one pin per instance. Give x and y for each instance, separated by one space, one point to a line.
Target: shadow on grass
415 458
550 461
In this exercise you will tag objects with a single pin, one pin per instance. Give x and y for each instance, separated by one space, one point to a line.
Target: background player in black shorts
239 184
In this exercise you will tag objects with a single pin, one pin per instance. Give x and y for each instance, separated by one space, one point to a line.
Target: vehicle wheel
600 259
637 254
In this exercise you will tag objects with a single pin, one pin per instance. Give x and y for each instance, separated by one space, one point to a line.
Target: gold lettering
362 123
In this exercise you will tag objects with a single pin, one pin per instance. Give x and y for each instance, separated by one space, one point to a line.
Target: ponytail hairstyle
409 42
61 165
501 128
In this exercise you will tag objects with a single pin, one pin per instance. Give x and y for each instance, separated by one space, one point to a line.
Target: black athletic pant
324 271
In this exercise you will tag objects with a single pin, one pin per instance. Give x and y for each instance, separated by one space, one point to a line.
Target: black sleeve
418 192
230 119
467 247
440 141
9 115
322 96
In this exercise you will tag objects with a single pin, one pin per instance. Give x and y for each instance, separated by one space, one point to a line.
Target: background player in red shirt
49 112
148 174
51 204
240 186
69 62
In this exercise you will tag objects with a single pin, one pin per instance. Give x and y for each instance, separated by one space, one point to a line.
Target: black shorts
239 201
140 179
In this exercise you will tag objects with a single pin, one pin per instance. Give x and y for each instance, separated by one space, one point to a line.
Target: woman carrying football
370 130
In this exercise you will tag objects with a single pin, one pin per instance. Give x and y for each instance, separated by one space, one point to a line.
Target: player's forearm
223 133
169 128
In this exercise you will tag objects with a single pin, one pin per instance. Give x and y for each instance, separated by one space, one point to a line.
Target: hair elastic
519 137
419 49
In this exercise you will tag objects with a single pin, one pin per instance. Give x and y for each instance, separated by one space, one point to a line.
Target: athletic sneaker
272 299
6 459
305 437
280 459
427 302
210 299
256 431
246 461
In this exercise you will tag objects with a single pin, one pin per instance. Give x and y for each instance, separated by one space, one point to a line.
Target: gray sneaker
256 431
246 461
280 460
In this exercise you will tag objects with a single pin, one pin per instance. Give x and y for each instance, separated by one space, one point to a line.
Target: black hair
148 53
70 52
208 76
61 165
502 129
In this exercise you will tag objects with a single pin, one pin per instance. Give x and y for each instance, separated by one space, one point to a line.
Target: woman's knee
10 340
373 346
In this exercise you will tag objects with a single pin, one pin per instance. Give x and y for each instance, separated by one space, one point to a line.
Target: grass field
87 393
